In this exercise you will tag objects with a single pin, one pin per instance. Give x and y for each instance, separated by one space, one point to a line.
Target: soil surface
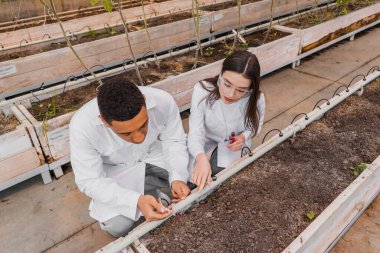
263 208
226 5
319 16
8 123
74 99
66 102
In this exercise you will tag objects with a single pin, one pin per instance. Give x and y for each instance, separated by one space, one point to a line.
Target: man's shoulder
86 115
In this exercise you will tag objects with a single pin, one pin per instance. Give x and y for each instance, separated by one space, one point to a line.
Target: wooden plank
319 31
318 236
13 143
278 53
96 22
43 170
32 134
18 164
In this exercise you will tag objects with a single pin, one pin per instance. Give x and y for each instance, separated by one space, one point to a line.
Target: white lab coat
110 170
209 126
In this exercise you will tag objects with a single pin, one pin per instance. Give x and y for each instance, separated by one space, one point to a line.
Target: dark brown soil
74 99
263 208
8 123
226 5
64 103
319 16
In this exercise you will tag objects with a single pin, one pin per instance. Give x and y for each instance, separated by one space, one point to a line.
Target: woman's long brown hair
245 63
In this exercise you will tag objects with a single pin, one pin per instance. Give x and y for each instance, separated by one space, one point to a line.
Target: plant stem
129 42
271 20
68 42
148 34
197 19
238 28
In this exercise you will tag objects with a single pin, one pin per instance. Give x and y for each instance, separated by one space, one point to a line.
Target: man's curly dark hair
119 100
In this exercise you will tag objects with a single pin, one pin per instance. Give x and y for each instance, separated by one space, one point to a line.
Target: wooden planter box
324 232
320 34
30 72
21 156
54 138
51 32
272 56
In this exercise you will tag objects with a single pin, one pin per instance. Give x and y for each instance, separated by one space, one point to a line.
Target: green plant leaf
93 2
362 166
310 215
107 4
356 173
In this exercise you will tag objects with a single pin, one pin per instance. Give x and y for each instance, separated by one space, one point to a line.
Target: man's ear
104 121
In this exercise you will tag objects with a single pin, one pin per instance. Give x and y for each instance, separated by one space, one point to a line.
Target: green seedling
310 215
90 33
356 170
209 51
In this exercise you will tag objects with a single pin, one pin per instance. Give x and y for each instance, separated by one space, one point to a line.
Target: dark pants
156 178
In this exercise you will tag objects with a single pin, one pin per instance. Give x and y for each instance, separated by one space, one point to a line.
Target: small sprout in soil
91 33
209 51
112 31
356 170
310 215
227 50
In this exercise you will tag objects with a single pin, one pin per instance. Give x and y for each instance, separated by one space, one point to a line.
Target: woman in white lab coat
226 112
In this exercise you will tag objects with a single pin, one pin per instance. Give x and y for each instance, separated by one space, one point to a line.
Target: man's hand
152 208
202 171
238 144
179 190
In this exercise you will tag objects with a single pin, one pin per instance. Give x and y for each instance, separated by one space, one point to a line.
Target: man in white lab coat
125 145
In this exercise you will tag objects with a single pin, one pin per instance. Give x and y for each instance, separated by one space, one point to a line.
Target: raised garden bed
20 154
267 205
325 26
30 72
26 39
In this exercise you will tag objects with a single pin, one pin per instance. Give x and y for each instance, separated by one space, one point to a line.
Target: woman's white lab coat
209 126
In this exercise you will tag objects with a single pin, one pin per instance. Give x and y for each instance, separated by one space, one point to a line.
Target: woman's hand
202 171
238 144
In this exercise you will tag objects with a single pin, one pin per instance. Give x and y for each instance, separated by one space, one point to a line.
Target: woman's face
233 86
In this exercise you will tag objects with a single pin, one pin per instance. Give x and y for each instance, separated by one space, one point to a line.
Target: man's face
133 130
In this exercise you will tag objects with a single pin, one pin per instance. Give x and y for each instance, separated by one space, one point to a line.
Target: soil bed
263 208
74 99
230 4
8 123
319 16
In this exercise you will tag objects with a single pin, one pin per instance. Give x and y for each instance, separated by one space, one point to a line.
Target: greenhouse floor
54 217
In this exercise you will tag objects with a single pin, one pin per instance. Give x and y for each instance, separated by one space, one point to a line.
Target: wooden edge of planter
33 136
23 157
340 214
96 22
318 34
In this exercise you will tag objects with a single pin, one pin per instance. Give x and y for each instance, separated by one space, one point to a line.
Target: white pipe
289 131
83 81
